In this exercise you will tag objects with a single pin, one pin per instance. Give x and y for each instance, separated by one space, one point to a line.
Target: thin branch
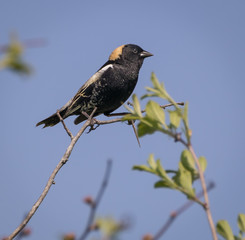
98 122
203 183
63 160
97 200
143 111
205 193
171 104
90 122
115 120
178 212
64 125
197 200
135 131
136 134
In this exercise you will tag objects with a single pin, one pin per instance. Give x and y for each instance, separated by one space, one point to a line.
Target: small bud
173 214
88 200
69 236
147 237
94 227
177 137
190 132
26 232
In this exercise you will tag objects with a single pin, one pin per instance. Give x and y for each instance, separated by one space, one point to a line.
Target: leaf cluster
13 58
181 180
109 227
224 229
155 117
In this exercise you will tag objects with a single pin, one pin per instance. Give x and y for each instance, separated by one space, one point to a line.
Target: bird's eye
135 50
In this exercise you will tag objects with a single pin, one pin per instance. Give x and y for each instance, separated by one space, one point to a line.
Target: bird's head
129 53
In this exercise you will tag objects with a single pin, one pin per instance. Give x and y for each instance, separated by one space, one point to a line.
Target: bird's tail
53 119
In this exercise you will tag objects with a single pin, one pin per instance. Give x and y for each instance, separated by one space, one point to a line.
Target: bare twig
64 125
143 111
205 193
63 160
115 120
135 132
178 212
97 200
90 122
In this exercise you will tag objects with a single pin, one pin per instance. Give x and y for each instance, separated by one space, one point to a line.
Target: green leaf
109 227
148 95
15 48
186 182
149 125
188 132
162 184
144 129
183 178
241 222
150 122
137 105
151 161
155 112
162 173
20 67
185 114
175 118
157 90
130 117
13 58
187 160
154 91
224 229
203 163
129 109
238 238
155 81
143 168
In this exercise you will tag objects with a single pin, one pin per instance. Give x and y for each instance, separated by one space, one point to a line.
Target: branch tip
93 207
64 125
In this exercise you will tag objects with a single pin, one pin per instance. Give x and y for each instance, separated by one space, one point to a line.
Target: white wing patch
96 76
81 91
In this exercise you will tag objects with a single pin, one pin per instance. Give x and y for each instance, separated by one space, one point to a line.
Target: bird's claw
92 124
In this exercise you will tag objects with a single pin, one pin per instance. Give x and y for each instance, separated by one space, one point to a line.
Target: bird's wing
72 106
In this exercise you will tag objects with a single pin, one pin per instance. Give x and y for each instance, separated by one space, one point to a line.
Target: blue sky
199 54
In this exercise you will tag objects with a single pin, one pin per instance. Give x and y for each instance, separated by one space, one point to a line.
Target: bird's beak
145 54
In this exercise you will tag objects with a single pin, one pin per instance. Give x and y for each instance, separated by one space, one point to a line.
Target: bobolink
108 88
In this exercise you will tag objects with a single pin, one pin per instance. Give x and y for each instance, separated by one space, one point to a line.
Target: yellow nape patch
116 53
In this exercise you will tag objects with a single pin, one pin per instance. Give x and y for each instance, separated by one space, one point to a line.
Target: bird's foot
92 124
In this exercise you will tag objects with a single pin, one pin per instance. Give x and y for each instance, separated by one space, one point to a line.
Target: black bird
108 88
